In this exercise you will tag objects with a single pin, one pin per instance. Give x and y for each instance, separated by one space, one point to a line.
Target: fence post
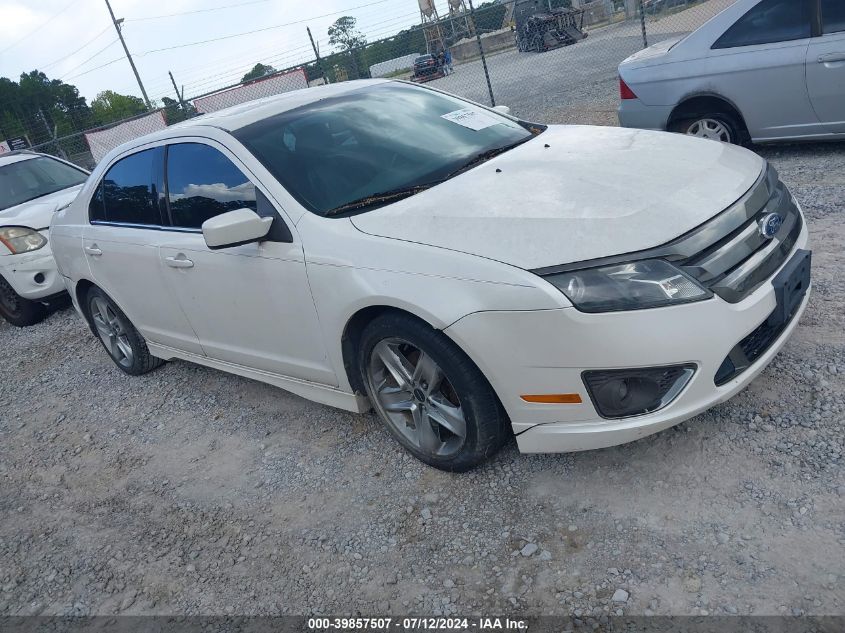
642 23
483 58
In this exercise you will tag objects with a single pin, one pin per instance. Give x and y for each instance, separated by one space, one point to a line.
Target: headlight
19 239
648 284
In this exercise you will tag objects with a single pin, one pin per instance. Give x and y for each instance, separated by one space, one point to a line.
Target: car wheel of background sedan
429 394
716 127
18 311
118 336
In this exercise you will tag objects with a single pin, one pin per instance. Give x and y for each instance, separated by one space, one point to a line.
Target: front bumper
545 352
32 275
636 114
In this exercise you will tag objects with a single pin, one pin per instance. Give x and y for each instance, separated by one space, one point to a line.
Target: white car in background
469 275
760 71
32 188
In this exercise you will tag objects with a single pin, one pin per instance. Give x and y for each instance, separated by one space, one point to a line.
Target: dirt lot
191 491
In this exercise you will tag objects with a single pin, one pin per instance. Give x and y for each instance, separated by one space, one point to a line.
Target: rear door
121 246
759 63
250 305
826 67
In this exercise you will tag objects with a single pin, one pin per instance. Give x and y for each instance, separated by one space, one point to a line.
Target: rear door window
769 22
203 183
127 192
833 16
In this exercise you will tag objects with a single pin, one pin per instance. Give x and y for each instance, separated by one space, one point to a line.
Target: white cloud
219 191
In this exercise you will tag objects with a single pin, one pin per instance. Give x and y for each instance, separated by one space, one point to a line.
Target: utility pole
317 55
179 95
117 24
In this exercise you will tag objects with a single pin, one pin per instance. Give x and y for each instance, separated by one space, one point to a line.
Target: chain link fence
550 61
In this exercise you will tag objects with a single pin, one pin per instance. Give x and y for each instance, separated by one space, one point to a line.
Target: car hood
36 214
574 193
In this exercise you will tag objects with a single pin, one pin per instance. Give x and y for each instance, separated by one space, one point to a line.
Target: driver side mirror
502 109
235 228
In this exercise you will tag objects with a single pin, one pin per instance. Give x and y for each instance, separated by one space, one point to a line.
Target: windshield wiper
483 157
382 198
394 195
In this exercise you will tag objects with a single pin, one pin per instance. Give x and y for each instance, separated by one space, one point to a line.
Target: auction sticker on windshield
473 119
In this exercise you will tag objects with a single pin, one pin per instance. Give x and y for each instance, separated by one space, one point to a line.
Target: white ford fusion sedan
469 275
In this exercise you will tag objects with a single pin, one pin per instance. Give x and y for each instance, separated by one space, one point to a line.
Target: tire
446 414
18 311
720 126
123 343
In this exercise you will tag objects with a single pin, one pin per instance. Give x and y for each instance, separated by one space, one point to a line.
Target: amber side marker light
554 398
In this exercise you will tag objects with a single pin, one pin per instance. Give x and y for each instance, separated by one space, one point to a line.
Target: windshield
33 178
384 138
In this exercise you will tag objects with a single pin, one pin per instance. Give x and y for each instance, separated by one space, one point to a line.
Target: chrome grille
737 263
727 254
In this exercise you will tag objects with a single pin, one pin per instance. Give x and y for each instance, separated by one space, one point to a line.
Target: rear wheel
716 126
121 340
429 394
18 311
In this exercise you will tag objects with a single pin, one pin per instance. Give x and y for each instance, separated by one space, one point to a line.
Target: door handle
179 262
93 250
832 57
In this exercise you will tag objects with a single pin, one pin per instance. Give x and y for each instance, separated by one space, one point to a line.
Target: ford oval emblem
770 224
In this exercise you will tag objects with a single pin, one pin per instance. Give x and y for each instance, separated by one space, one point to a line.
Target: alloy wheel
112 332
9 300
712 129
414 396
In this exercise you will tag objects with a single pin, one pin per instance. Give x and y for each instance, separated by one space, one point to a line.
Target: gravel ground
190 491
573 84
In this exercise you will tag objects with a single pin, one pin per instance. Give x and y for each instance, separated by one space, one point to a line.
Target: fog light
621 393
39 278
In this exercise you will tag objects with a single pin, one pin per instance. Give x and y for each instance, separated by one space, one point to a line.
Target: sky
74 40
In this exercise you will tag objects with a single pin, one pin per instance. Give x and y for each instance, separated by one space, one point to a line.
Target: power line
61 59
38 28
90 70
102 50
239 68
173 15
288 57
289 60
266 28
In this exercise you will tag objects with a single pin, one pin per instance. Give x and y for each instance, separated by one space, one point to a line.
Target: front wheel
429 394
18 311
717 126
121 340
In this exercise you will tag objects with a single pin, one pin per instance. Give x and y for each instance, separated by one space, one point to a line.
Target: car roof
16 157
239 116
244 114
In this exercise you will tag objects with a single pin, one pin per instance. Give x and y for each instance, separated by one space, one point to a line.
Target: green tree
344 35
258 71
41 109
110 106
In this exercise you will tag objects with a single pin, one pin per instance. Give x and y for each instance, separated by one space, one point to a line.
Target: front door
121 246
826 67
759 64
250 305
